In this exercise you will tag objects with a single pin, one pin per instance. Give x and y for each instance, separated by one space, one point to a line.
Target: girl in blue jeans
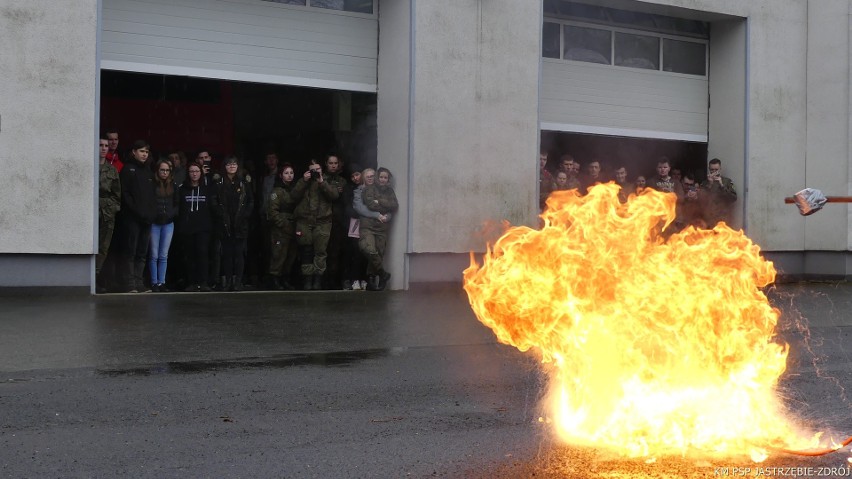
163 227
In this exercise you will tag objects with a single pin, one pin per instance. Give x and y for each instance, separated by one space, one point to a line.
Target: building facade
464 91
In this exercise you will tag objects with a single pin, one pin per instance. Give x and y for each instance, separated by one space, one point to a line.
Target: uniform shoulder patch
273 196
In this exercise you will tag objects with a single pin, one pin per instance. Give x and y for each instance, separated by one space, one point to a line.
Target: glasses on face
164 170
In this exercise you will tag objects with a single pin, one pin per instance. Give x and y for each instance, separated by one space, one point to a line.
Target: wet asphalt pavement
332 384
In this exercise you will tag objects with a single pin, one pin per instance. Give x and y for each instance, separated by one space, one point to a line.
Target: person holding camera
313 224
339 224
211 179
690 207
719 194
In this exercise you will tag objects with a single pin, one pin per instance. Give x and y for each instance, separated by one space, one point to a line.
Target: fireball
654 344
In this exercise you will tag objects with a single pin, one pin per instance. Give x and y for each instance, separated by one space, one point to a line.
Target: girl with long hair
236 203
163 227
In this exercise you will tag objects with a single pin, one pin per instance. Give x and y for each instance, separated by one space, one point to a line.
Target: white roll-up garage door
607 84
245 40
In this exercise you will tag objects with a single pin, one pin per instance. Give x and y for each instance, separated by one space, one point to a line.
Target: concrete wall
726 122
48 80
827 114
394 125
475 128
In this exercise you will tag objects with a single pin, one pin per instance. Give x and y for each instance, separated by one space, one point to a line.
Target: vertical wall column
394 125
727 111
48 104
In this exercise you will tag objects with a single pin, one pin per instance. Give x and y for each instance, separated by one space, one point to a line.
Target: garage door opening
187 114
638 155
177 113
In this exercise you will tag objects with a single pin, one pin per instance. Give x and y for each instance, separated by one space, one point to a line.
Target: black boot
236 283
384 276
225 281
317 282
274 284
372 282
307 282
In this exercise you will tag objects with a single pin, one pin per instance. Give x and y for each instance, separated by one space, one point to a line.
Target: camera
315 174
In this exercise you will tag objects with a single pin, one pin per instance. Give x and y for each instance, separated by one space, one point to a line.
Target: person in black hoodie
163 227
138 209
197 206
236 203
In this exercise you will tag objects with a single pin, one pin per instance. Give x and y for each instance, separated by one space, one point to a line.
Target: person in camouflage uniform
663 181
109 202
281 206
313 224
380 198
339 222
718 195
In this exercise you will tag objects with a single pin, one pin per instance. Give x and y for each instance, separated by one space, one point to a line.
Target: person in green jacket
380 198
313 224
109 202
281 206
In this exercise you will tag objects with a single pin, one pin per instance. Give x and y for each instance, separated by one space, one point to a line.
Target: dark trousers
215 256
354 262
105 228
336 239
175 273
196 250
233 256
135 236
265 252
284 250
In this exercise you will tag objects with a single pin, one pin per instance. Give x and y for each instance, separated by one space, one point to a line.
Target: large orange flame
655 346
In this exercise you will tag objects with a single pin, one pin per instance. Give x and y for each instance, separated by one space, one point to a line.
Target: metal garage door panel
603 99
247 40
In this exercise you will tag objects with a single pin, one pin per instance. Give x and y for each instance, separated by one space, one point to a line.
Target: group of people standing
336 226
702 205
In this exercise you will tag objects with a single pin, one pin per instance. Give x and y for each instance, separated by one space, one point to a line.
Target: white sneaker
363 285
356 285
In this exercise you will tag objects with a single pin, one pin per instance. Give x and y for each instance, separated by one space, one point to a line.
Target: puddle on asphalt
334 359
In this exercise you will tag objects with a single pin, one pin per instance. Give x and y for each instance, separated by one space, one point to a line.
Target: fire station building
455 97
